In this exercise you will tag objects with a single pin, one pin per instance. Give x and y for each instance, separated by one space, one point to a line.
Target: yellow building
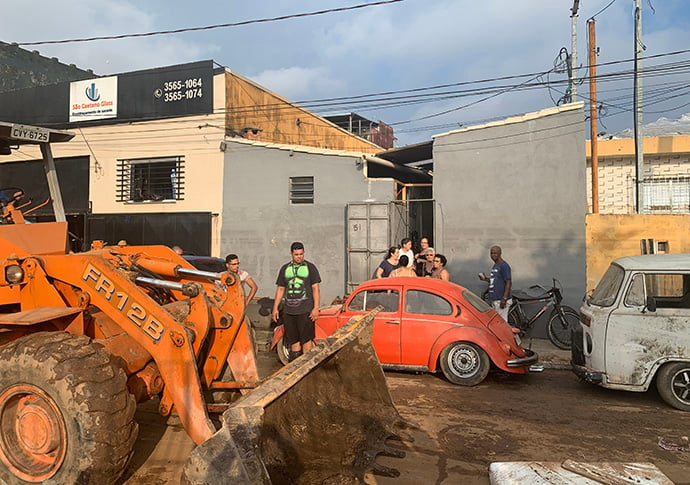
664 225
666 163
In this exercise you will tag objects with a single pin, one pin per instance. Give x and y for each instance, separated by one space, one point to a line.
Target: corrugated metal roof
297 106
518 119
409 153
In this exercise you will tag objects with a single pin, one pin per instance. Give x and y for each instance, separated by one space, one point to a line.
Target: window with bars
670 195
301 190
150 179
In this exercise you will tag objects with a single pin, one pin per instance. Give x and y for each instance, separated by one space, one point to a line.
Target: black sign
165 92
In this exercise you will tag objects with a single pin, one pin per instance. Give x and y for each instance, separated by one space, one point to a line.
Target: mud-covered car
635 328
428 325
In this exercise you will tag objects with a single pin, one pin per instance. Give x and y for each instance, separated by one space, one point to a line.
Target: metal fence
664 195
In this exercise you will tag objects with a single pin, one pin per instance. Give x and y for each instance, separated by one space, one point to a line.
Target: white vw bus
635 327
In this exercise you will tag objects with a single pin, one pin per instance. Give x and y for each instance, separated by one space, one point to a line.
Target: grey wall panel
520 186
259 223
360 268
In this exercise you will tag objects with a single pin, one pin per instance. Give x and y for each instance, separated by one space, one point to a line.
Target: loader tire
66 415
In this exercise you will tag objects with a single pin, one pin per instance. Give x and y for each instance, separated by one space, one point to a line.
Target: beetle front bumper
530 358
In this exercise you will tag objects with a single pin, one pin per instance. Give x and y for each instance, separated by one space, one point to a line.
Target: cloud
98 18
407 45
661 127
296 83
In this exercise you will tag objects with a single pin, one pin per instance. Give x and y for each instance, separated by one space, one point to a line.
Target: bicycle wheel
561 325
515 319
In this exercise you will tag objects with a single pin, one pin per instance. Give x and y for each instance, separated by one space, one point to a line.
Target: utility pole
572 84
594 156
637 111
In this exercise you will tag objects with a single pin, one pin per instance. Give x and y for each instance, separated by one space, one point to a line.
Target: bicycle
562 319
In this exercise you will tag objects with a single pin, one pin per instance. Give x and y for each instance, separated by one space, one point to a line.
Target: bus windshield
606 291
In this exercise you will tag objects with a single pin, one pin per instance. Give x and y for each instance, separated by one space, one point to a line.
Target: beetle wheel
464 363
65 413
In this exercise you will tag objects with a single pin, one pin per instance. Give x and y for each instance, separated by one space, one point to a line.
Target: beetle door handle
396 322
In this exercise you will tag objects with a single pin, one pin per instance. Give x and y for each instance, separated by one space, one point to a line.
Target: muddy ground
548 416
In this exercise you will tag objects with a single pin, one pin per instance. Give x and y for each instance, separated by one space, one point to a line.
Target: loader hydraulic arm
168 341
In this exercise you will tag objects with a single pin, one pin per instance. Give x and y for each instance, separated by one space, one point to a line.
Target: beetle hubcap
464 360
32 433
681 385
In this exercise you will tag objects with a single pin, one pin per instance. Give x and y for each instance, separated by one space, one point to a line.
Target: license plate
29 133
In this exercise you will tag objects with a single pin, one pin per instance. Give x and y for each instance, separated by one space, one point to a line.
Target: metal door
368 239
373 227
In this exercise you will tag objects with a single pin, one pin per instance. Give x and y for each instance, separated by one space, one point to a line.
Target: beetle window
424 303
365 301
478 304
635 296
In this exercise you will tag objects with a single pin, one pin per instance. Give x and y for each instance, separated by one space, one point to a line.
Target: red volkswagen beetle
428 325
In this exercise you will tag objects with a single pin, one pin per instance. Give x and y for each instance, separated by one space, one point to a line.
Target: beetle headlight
13 273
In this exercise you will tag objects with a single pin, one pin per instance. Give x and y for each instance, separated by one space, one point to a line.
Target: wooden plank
53 184
571 472
283 122
614 473
37 315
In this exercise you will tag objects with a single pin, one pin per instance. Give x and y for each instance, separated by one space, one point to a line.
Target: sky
382 61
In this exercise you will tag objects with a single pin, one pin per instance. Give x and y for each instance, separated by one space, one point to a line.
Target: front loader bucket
321 419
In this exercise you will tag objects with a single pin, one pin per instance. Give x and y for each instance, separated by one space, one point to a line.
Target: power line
457 108
210 27
603 9
279 111
333 103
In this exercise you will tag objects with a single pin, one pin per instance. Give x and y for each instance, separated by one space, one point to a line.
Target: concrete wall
259 223
614 236
519 184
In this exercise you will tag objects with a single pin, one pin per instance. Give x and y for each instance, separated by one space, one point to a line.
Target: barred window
150 179
302 190
669 195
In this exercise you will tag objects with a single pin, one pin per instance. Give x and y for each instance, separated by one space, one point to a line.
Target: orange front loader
84 337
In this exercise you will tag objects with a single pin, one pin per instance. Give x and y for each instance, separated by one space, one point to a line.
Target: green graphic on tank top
296 277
